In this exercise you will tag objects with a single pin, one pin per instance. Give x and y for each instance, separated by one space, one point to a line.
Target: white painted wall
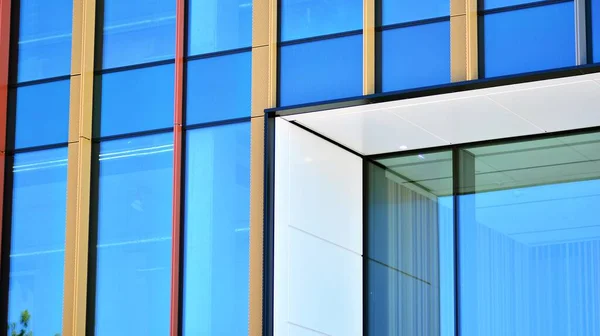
318 236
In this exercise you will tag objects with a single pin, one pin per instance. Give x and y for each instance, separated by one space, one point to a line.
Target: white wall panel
318 236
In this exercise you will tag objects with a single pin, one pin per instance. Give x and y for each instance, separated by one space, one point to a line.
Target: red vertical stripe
4 53
177 168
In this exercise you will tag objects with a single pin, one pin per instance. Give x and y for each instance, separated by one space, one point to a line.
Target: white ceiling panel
467 120
558 107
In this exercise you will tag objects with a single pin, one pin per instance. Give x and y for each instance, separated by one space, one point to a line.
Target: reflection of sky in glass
216 255
529 260
134 236
38 239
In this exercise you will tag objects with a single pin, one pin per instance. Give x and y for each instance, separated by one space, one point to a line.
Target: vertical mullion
463 40
176 259
4 64
264 95
368 47
581 32
79 168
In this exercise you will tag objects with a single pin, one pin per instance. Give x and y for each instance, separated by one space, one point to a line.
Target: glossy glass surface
400 11
415 56
42 115
410 246
323 70
135 100
595 38
529 238
309 18
526 40
490 4
216 254
44 39
37 252
133 273
137 31
219 88
217 25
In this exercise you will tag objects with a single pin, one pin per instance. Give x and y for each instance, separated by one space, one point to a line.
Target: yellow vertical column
368 47
79 166
463 40
264 95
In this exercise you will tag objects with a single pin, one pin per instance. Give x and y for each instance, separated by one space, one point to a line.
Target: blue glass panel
44 39
531 39
322 70
136 100
595 15
217 25
308 18
533 252
37 252
133 274
216 255
138 31
415 56
218 88
490 4
42 116
400 11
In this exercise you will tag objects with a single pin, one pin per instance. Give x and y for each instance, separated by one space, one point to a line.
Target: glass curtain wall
527 246
37 133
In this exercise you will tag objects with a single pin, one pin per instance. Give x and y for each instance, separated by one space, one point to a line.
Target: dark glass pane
400 11
410 245
490 4
136 100
529 238
217 25
218 88
37 252
415 56
531 39
138 31
133 274
595 10
42 116
216 255
322 70
308 18
44 39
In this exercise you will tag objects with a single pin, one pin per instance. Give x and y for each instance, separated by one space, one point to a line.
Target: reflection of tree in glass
13 328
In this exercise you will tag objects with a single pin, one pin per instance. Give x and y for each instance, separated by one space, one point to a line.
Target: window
302 19
42 116
216 252
415 56
492 4
44 39
137 31
529 238
595 38
322 70
218 25
218 88
37 251
410 245
135 100
133 271
413 44
402 11
531 39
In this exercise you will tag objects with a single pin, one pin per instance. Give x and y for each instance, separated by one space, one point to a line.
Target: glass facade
320 51
142 147
528 39
527 244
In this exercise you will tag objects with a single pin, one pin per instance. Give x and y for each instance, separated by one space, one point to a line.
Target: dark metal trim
295 123
321 37
413 23
218 53
269 227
